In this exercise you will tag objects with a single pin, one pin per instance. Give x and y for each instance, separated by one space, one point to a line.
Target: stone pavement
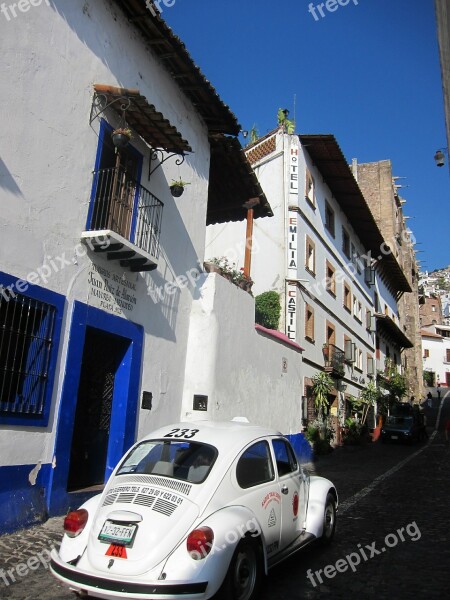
417 491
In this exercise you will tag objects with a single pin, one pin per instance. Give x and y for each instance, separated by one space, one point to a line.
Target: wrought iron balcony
334 360
128 215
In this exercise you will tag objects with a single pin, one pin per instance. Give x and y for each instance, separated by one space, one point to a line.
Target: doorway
102 355
116 186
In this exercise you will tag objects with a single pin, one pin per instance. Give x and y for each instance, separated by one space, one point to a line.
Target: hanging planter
121 137
177 187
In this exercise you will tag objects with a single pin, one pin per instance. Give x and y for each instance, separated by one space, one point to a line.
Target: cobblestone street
382 487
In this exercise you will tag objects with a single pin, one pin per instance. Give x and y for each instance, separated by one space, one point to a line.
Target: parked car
404 424
192 510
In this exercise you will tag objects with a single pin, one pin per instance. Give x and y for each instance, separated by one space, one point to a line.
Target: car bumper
397 435
108 588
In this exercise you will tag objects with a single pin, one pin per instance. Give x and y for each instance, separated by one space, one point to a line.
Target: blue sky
368 73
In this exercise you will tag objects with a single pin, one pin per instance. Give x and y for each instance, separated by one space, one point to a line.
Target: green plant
353 432
393 383
428 378
123 131
229 271
179 182
319 434
321 388
268 309
368 398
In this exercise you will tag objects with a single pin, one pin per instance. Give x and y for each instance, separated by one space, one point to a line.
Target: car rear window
188 461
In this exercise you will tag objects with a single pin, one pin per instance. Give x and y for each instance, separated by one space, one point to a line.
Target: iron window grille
26 339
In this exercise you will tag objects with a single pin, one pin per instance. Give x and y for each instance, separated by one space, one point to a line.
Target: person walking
438 391
429 398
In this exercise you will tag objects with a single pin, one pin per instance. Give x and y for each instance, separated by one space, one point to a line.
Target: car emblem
110 564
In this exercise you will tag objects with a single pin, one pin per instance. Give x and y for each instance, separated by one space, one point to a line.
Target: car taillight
75 522
199 542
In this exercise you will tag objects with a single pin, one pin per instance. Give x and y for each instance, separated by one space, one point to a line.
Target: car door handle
284 489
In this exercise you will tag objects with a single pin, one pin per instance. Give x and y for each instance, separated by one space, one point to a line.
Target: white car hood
164 516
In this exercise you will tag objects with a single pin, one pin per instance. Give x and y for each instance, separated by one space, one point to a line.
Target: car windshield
394 420
188 461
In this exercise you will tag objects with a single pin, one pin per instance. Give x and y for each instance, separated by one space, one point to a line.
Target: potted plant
177 187
121 137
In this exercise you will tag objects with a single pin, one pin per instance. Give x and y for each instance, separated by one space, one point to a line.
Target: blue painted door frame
124 407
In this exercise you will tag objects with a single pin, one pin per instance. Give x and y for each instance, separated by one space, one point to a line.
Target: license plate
117 533
394 437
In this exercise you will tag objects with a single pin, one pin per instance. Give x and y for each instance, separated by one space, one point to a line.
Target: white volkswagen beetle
194 510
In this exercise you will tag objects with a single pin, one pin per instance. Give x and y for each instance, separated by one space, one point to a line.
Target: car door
292 492
259 490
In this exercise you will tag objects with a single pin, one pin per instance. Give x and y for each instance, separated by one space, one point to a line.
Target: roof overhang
177 61
142 117
327 155
390 327
232 183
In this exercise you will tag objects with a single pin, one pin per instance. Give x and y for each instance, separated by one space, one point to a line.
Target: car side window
285 457
255 466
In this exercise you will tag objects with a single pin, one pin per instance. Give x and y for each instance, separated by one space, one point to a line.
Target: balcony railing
121 205
334 359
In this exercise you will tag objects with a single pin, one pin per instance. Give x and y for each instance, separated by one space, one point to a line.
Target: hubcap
244 575
328 522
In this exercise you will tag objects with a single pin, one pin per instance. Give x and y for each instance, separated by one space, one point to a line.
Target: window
310 193
357 309
309 323
369 275
377 303
426 353
285 458
370 321
347 297
349 349
330 278
310 263
358 359
345 243
255 466
330 333
30 327
447 353
370 365
26 343
329 218
178 459
433 307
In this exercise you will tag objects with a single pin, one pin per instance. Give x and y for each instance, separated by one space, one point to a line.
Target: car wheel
329 519
243 579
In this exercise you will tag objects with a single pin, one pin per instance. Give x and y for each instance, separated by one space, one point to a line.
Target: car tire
329 519
245 573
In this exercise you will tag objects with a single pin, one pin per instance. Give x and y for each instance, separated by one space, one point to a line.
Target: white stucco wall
437 359
268 251
239 369
52 56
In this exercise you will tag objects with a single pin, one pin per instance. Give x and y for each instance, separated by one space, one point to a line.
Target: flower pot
120 140
176 190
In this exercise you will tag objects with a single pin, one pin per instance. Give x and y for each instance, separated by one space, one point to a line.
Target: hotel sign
292 245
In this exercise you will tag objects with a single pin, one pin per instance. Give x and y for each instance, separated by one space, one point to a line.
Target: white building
317 252
436 353
101 267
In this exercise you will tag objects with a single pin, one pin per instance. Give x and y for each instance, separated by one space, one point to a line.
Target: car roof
224 435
